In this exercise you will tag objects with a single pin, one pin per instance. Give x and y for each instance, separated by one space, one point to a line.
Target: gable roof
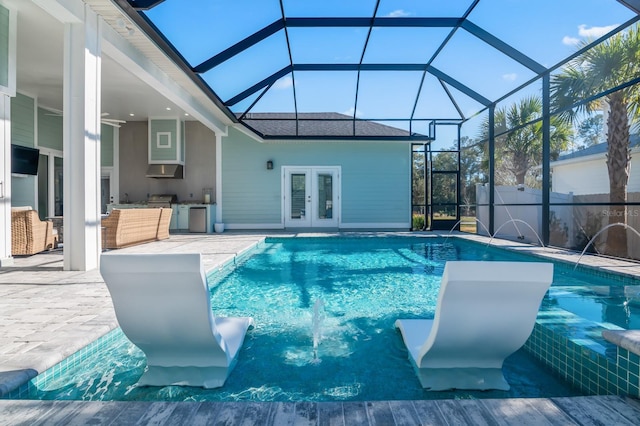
598 149
326 125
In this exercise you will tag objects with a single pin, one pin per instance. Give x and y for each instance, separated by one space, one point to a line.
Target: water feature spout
316 325
458 222
611 225
520 237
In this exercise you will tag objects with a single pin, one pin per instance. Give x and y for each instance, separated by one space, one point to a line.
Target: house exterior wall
49 136
23 120
375 180
590 175
23 131
49 130
4 46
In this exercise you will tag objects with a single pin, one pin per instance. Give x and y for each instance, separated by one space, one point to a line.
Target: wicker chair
29 234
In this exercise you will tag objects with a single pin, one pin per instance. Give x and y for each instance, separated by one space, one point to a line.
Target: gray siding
23 191
22 120
4 46
375 181
23 188
49 130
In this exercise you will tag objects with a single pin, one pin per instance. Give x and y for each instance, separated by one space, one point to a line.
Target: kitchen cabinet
183 216
180 216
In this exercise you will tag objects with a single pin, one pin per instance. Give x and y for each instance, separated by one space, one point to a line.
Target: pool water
339 295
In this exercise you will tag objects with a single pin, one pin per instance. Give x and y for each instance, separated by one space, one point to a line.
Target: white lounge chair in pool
162 305
486 311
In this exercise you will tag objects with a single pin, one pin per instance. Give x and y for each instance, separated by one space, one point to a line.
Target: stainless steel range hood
165 171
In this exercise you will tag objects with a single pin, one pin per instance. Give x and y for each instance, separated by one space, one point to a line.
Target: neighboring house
585 172
584 176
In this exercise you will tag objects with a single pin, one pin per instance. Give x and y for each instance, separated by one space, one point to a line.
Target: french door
311 196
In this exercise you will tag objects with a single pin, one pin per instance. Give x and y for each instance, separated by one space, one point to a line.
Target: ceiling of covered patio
405 64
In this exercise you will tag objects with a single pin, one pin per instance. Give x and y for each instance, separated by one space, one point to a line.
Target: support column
8 33
492 168
81 124
218 178
546 157
5 180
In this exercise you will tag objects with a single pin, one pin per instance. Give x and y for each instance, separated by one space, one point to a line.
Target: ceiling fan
107 121
111 121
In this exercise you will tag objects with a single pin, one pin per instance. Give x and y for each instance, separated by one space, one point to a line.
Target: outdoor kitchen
183 181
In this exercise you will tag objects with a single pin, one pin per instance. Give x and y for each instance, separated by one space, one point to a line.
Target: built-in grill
162 200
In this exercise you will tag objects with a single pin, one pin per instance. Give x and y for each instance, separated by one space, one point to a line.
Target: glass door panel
297 190
311 195
323 201
105 193
58 196
298 195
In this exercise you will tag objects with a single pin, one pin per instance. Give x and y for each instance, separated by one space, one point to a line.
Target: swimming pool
358 288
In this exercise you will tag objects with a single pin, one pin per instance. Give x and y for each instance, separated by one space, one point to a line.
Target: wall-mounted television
24 160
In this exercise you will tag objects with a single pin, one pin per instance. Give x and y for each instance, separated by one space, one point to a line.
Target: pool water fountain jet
458 222
514 221
316 326
611 225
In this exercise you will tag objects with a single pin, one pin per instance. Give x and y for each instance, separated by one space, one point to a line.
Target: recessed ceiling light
168 109
186 114
131 114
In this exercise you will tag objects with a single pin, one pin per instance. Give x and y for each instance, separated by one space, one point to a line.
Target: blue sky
545 30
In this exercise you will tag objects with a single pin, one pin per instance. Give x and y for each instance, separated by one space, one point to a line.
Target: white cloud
510 77
594 32
587 32
399 13
283 83
349 112
570 41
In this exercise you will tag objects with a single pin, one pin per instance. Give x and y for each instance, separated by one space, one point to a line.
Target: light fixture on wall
270 165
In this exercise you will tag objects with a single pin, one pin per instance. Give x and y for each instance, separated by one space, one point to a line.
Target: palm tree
607 65
520 150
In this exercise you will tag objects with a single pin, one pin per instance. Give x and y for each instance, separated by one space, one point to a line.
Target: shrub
418 222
